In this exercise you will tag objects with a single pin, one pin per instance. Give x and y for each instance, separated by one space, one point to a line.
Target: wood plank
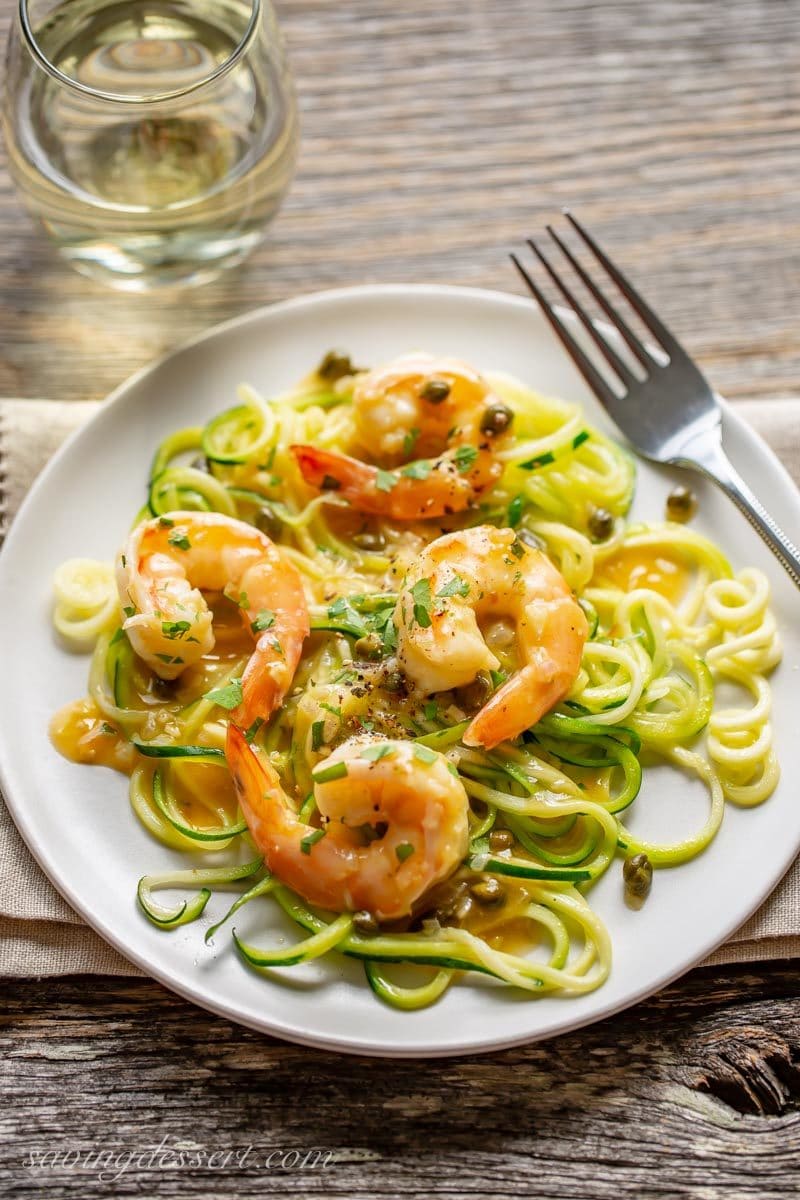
695 1093
435 136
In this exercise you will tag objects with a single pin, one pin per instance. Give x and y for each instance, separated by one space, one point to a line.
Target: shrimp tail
327 471
499 719
444 489
271 669
258 789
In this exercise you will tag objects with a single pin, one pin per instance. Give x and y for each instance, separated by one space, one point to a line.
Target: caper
435 390
497 419
370 646
501 839
268 521
530 539
370 539
373 833
681 504
335 365
488 891
365 922
394 681
600 524
201 463
473 696
637 872
454 906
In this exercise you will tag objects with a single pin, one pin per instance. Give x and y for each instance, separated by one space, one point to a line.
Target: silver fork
672 415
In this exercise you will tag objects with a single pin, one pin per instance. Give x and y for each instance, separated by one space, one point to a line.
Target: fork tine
659 330
632 341
586 367
610 355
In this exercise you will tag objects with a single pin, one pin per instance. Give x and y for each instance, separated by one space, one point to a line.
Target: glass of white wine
154 139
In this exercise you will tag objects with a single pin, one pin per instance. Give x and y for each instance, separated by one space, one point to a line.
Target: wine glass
153 139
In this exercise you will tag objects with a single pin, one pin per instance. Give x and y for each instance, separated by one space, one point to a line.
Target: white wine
142 191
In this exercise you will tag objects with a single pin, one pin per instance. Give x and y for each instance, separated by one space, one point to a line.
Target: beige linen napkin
41 935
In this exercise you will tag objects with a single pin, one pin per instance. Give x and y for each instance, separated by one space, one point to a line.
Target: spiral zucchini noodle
674 670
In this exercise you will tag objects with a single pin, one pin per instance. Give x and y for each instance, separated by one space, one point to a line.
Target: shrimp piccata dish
386 646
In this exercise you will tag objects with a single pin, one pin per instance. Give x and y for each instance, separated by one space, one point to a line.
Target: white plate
77 821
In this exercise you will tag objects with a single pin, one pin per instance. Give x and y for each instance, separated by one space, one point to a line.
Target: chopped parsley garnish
264 620
580 438
515 511
336 712
385 480
243 601
431 710
343 609
424 753
106 728
166 522
541 460
420 469
175 629
464 457
169 658
454 587
337 770
421 595
389 635
179 540
228 697
498 677
253 729
374 753
129 610
317 734
410 440
276 646
118 636
517 548
404 851
311 839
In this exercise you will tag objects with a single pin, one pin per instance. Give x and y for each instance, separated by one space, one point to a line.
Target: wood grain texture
435 135
695 1093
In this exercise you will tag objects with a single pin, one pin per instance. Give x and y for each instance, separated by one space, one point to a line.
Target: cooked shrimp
393 823
166 565
439 413
488 573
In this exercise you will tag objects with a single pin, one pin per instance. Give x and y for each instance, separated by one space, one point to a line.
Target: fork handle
714 463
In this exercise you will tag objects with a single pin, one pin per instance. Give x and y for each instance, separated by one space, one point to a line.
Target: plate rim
194 993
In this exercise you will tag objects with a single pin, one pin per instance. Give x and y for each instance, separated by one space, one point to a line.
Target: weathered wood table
436 135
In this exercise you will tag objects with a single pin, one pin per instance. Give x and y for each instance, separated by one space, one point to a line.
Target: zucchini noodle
674 671
86 601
